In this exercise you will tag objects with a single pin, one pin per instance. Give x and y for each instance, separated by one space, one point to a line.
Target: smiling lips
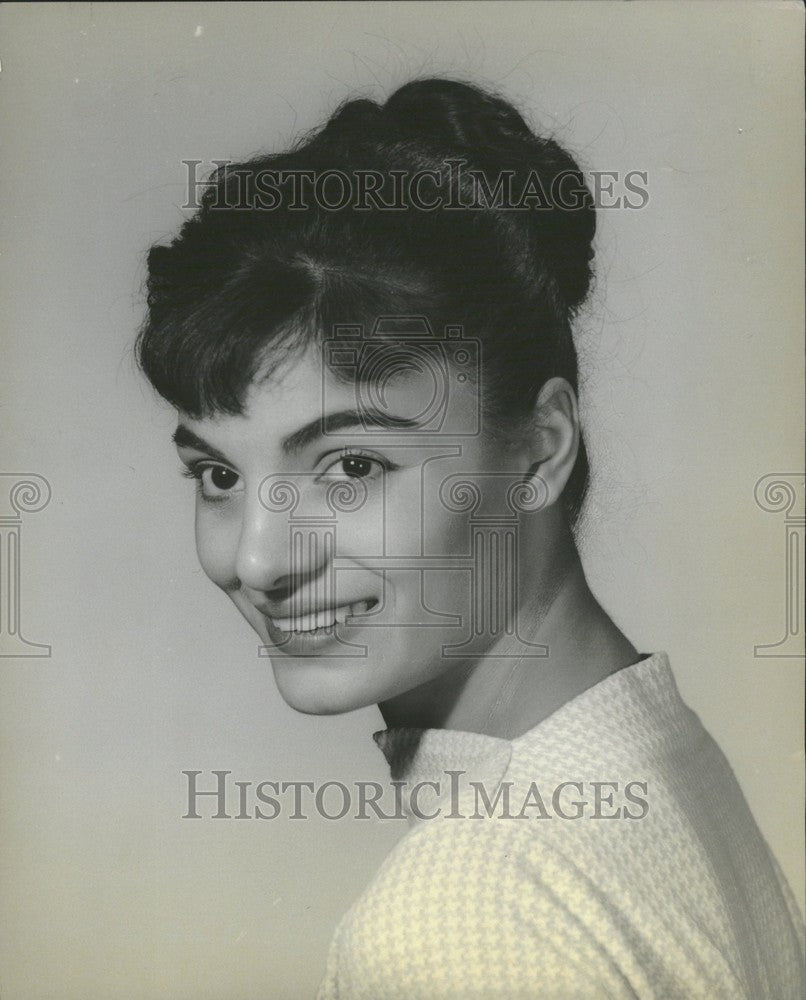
325 619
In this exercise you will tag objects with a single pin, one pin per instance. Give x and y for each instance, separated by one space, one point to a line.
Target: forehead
312 384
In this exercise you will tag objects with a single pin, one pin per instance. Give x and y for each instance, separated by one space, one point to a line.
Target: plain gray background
694 367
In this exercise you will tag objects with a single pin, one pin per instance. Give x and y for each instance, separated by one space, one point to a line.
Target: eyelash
190 471
385 464
195 470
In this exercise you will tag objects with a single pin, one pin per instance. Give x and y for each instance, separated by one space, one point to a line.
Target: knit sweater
645 878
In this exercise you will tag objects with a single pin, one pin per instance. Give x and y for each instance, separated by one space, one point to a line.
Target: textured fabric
684 900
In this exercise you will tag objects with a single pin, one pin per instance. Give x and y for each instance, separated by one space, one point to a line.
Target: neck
506 696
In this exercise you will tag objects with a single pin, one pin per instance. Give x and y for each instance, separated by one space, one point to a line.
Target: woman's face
337 530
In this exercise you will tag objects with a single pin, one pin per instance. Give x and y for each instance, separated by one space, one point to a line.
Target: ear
554 439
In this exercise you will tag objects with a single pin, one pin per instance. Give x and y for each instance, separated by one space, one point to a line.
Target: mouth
321 622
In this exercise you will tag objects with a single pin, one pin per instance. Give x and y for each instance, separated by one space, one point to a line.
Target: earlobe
555 438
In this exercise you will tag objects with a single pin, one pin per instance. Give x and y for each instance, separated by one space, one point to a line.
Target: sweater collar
435 768
419 756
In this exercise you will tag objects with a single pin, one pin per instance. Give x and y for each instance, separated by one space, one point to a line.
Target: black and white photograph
402 525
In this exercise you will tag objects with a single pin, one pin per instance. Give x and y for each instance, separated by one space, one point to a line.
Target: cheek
444 532
217 546
387 522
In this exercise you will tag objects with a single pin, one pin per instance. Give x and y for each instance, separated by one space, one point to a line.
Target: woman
368 340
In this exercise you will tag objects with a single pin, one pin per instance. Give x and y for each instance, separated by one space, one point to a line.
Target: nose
276 556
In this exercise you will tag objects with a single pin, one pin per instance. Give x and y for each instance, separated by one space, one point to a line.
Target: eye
215 481
219 477
351 465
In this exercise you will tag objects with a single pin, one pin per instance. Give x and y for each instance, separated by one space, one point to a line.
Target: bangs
203 351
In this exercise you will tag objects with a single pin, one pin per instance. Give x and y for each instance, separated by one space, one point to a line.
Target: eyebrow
366 419
183 437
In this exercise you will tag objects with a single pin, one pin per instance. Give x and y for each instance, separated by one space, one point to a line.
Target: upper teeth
321 619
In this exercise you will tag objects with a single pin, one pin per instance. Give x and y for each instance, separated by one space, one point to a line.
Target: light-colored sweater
675 896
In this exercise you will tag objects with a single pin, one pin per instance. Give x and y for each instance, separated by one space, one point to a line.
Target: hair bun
426 122
490 134
458 114
351 122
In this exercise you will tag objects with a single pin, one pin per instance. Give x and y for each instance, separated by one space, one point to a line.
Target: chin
319 687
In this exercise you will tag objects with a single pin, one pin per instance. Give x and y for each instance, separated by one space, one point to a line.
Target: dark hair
244 281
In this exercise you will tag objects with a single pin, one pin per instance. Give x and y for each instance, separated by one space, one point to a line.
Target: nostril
262 595
279 593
